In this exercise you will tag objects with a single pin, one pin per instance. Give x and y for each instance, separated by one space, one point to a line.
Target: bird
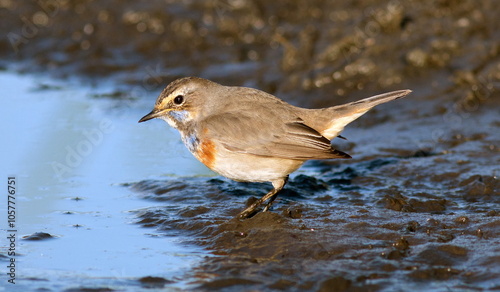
248 135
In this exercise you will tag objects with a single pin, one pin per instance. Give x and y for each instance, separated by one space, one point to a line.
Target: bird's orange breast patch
206 153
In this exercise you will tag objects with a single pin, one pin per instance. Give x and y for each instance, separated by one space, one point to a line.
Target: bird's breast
203 149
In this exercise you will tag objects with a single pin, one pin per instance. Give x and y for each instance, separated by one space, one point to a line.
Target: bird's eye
178 99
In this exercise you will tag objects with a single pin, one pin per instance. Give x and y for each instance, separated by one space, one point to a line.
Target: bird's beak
152 115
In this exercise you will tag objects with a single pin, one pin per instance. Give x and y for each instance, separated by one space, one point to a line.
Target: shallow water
70 153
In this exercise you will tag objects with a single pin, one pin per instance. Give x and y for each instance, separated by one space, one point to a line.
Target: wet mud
417 208
340 232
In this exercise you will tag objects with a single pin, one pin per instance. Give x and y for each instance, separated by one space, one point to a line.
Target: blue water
70 151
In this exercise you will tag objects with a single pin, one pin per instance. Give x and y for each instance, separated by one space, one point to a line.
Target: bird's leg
271 200
277 186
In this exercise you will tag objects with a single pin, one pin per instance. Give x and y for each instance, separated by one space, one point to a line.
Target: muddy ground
418 205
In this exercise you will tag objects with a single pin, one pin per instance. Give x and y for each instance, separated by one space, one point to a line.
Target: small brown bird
249 135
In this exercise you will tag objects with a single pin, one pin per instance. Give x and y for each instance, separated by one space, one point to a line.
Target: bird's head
182 101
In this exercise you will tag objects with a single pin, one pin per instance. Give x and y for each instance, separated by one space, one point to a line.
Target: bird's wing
269 135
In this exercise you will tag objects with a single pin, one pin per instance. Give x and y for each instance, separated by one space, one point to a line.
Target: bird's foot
249 211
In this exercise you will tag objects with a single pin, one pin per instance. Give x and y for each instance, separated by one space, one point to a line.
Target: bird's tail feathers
342 115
